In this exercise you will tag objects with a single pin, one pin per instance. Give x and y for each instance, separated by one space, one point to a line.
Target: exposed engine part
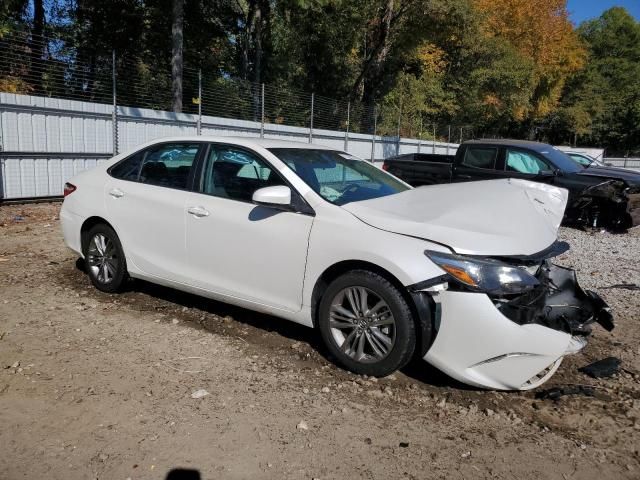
612 190
609 204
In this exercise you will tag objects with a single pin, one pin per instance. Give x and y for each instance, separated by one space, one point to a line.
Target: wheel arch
87 225
421 304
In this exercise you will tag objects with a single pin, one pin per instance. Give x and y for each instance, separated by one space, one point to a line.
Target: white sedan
456 274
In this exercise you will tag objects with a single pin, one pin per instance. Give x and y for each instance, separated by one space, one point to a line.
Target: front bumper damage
558 303
610 204
633 207
514 343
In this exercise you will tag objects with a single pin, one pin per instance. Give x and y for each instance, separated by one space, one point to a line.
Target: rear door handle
198 212
116 193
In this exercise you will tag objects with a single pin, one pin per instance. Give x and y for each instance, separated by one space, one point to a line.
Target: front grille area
558 303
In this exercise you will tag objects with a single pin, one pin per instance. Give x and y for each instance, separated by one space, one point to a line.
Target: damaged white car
458 274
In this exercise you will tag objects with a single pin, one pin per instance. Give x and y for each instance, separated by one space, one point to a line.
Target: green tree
601 105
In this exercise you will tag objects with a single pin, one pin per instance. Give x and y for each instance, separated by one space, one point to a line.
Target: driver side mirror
277 196
546 173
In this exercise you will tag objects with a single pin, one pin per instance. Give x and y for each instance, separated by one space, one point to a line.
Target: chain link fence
63 110
55 68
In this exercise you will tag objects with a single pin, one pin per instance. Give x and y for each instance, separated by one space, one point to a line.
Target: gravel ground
99 386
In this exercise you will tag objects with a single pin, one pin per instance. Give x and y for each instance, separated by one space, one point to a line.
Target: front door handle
198 212
116 193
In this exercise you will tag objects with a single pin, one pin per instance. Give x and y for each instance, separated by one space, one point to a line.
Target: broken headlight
484 275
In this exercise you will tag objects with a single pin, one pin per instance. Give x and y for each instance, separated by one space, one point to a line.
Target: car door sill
222 297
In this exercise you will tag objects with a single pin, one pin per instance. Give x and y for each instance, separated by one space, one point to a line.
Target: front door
236 248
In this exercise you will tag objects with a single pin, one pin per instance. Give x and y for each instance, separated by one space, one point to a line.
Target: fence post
1 147
346 134
199 101
460 134
313 96
114 113
399 122
262 113
375 131
433 146
448 139
1 159
420 135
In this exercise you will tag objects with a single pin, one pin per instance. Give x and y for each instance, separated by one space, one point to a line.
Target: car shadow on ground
183 474
286 331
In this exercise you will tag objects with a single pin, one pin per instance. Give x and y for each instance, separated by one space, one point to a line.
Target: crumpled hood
631 177
494 217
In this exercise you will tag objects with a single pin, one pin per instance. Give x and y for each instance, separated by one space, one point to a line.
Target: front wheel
367 324
104 259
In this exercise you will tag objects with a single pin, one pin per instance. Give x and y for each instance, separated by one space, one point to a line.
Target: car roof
244 141
507 142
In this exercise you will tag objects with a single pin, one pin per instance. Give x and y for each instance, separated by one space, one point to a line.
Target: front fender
341 237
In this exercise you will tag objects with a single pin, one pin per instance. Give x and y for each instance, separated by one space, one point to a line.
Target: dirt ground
100 386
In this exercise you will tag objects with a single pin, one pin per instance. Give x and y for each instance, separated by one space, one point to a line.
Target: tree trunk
255 40
247 38
257 43
369 78
261 39
37 45
380 47
176 54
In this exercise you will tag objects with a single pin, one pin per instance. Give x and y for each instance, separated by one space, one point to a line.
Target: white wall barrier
45 141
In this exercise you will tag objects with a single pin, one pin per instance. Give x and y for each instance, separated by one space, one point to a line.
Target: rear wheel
104 259
366 324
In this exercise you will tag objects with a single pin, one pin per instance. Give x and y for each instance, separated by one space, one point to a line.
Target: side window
169 165
481 157
524 162
236 174
129 168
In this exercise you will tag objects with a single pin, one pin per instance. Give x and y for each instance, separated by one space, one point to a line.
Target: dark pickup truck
598 196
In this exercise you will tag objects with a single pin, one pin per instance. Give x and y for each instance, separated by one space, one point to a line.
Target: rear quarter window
129 168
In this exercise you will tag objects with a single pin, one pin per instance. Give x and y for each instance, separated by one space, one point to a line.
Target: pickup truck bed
419 169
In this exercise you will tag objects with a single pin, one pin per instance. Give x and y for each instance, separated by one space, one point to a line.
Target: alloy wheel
102 258
362 324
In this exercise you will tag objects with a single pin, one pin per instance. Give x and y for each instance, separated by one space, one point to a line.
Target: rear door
145 199
236 248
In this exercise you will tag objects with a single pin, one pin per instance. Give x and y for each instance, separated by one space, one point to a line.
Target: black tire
365 360
112 263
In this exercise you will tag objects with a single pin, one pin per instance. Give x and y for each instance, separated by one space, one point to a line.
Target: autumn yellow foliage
432 58
541 31
12 84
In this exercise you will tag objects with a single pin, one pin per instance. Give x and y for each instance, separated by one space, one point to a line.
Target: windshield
581 160
585 160
338 177
561 160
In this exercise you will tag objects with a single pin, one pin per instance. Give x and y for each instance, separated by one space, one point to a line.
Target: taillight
385 167
69 188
